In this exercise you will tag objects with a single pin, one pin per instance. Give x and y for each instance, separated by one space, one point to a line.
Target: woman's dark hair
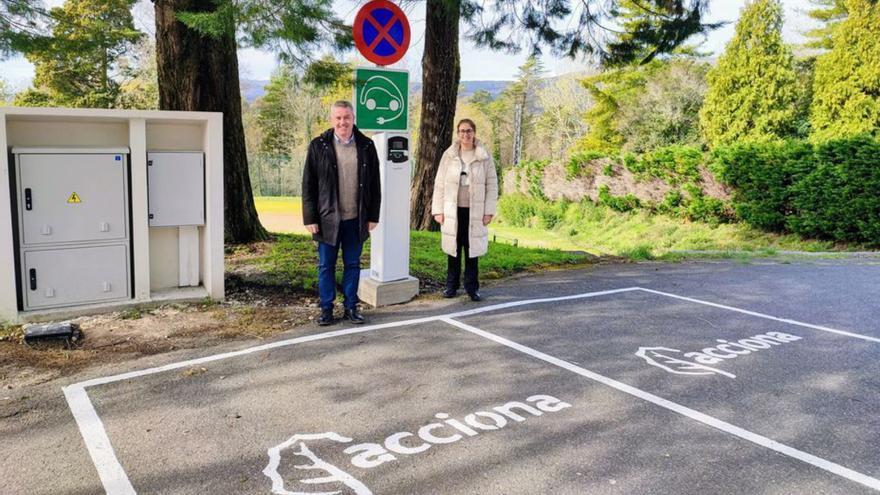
468 122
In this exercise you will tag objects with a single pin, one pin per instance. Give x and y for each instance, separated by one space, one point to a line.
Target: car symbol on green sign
380 93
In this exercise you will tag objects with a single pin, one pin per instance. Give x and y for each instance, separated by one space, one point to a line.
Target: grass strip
292 259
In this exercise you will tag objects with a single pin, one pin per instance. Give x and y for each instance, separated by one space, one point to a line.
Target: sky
476 64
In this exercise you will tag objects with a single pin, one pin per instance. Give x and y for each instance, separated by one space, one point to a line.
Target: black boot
475 296
450 293
326 317
354 316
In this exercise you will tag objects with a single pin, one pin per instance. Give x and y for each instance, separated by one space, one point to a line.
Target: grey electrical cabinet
73 225
61 277
72 197
176 184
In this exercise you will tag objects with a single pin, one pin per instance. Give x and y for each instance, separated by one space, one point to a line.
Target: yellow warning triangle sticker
74 198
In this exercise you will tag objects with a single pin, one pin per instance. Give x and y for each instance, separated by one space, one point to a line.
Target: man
341 197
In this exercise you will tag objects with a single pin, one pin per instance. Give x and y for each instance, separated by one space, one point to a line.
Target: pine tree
79 65
753 91
829 13
846 87
496 111
522 93
275 114
22 23
642 37
610 90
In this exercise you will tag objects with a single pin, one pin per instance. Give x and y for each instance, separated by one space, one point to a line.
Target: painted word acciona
662 357
370 455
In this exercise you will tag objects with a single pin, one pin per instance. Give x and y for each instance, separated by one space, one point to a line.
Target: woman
465 195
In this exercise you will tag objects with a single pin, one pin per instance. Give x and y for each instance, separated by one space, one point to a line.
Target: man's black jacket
320 186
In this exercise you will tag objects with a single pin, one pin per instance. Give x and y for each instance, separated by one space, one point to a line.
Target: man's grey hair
342 104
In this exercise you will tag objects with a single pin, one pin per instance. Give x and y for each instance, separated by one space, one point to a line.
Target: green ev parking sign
381 99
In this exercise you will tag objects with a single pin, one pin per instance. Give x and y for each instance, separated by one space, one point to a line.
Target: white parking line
761 315
677 408
116 481
97 442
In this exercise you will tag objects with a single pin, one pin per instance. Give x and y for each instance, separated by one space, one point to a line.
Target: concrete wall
156 261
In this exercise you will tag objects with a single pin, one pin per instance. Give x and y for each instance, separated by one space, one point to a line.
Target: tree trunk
440 74
200 73
520 103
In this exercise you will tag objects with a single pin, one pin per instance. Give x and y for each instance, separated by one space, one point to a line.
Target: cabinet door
177 188
72 198
64 277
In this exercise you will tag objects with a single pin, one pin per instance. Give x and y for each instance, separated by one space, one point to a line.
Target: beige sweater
467 157
346 160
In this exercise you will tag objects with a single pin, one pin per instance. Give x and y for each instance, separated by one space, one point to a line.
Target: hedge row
829 190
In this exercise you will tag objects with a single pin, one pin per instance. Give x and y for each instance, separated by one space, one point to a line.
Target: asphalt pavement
703 377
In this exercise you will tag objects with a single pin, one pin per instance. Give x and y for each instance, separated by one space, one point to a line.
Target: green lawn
292 259
639 235
582 227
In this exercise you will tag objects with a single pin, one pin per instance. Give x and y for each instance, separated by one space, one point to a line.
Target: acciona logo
369 455
665 358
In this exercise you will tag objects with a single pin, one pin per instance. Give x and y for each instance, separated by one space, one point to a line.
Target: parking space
623 391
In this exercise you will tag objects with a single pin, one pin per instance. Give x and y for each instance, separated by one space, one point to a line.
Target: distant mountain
253 88
468 88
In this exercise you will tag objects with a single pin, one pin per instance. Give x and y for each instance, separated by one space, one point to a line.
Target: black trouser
453 263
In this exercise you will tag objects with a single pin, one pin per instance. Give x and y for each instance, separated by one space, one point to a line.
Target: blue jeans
349 240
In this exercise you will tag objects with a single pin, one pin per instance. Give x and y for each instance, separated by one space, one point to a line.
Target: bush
641 252
839 198
577 162
630 161
671 201
550 214
627 202
702 208
516 209
763 175
534 173
673 164
825 191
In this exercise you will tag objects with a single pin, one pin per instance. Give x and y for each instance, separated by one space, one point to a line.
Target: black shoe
448 293
326 317
354 316
475 296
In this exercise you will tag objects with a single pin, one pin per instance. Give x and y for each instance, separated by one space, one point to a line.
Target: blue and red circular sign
381 32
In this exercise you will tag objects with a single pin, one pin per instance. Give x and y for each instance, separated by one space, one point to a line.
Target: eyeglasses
465 131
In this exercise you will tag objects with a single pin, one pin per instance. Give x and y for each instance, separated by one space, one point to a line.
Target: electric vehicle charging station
388 281
381 104
389 255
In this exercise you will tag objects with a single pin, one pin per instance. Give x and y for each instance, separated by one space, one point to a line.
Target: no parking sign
381 32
